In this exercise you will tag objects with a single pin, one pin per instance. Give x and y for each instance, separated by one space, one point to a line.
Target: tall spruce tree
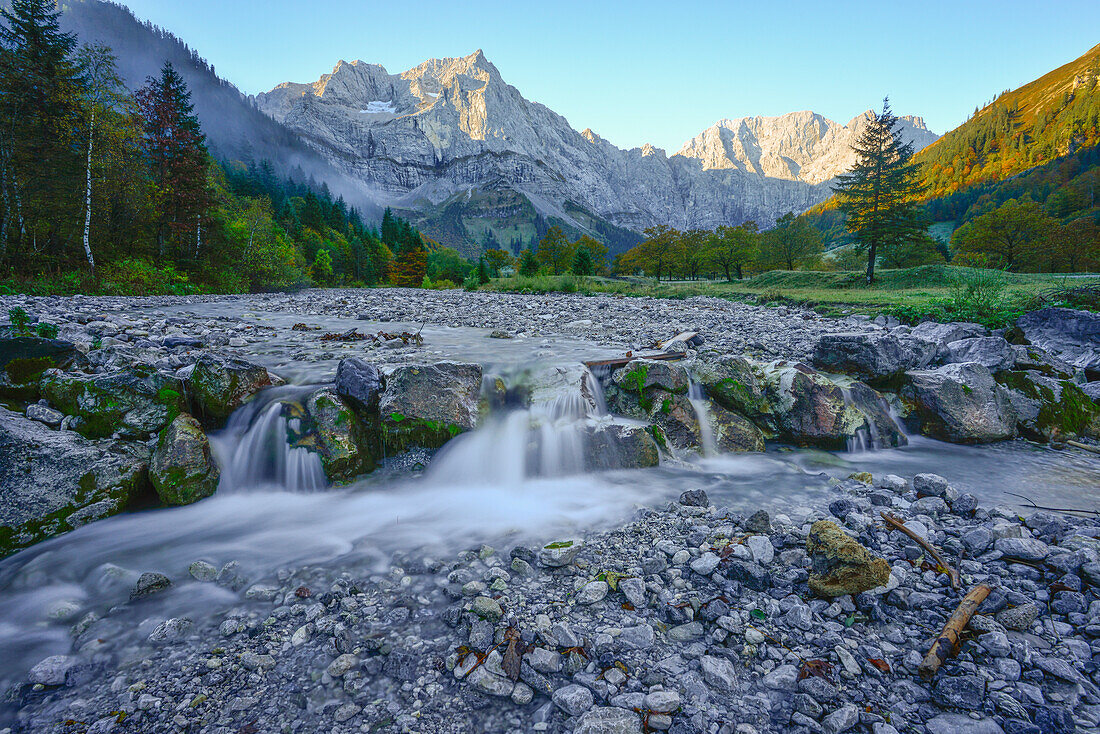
879 194
177 151
38 93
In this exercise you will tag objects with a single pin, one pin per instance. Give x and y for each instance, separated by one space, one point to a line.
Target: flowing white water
706 430
254 450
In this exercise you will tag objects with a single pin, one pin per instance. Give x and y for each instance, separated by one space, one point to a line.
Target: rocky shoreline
689 618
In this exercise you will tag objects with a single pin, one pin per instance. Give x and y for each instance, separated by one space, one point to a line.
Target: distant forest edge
110 184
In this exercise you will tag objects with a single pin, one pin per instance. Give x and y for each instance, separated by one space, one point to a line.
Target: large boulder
732 432
134 402
360 383
613 445
428 405
23 359
640 375
219 385
807 407
961 403
333 430
54 481
992 352
938 335
1069 334
870 355
840 565
732 382
1047 408
182 469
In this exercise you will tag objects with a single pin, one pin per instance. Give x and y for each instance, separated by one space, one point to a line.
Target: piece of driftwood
948 641
1084 446
624 361
897 524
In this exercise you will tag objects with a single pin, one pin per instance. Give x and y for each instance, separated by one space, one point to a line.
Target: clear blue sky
659 71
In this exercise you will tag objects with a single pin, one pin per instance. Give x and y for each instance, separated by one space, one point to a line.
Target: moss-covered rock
134 402
733 433
54 481
182 470
219 385
1048 408
428 405
806 407
619 446
334 430
732 382
23 359
840 564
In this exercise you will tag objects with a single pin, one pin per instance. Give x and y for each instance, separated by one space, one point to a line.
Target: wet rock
872 355
961 724
608 720
54 481
620 446
337 434
694 498
219 385
960 692
840 564
341 665
991 352
360 383
52 671
1024 549
149 583
1069 334
732 383
808 408
961 403
560 553
574 700
641 375
759 522
23 359
135 402
182 469
428 405
930 485
45 414
487 608
733 433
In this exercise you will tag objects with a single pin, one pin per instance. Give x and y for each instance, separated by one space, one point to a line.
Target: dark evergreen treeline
102 189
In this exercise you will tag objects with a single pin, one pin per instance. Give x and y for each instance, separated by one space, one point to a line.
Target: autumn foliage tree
177 152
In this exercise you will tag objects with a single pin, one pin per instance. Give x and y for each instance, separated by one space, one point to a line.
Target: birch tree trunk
88 198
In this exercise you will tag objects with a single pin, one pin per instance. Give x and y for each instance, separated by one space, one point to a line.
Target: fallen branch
1084 446
944 565
1032 505
948 641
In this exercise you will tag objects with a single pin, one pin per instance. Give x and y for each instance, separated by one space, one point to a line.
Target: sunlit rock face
453 125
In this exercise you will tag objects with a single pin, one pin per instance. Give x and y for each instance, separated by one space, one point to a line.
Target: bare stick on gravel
897 524
948 641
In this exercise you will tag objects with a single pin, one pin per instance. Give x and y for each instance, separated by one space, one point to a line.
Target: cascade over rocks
182 470
219 385
54 481
733 433
961 403
1071 335
732 382
619 446
136 402
427 405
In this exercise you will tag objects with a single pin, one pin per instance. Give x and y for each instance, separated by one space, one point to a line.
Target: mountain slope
449 130
235 130
1056 115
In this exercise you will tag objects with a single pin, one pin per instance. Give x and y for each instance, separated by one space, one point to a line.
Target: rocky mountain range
452 143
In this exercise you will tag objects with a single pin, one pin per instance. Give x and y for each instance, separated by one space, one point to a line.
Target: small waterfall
706 430
552 438
254 450
880 418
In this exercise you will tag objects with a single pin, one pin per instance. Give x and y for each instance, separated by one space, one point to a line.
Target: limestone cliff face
453 125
